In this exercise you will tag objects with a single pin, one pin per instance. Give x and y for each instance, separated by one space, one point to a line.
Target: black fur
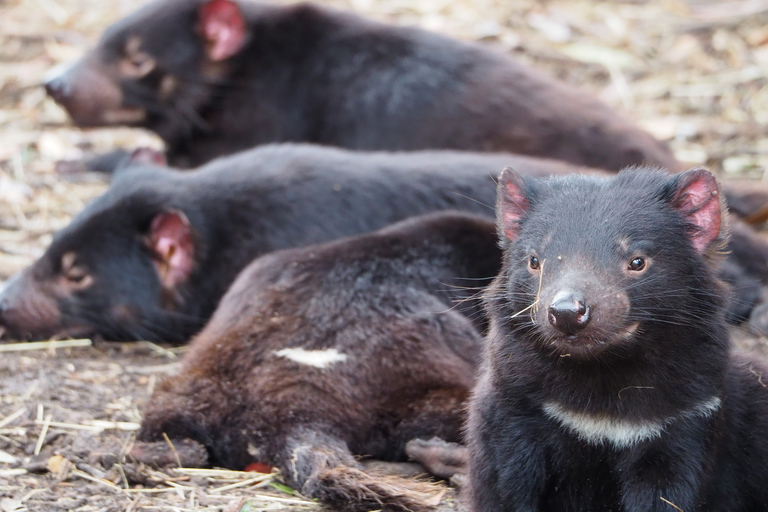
309 73
645 342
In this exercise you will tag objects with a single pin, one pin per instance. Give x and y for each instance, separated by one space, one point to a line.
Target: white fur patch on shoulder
316 358
621 433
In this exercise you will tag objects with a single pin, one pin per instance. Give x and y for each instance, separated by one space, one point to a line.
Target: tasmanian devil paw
439 457
179 453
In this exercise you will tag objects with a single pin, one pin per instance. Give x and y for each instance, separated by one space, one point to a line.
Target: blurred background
693 72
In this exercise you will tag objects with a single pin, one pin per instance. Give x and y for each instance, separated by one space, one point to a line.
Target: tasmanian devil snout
56 84
569 312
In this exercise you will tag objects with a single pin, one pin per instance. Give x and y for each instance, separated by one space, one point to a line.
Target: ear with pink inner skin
222 26
698 199
148 156
170 237
511 204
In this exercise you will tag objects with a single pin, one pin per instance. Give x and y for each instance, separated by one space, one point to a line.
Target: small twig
150 491
243 483
134 504
96 425
759 375
126 485
227 474
160 350
9 419
180 489
86 476
43 345
8 473
535 303
72 426
173 449
670 503
287 500
43 432
116 425
32 493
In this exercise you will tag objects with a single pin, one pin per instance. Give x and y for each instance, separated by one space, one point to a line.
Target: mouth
583 344
577 342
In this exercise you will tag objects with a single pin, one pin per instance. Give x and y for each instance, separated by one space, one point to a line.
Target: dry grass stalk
43 432
11 417
94 426
44 345
262 479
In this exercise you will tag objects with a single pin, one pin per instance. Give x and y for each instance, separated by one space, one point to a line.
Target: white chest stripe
600 429
316 358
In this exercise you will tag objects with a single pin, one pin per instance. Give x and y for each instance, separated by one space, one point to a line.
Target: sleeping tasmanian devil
321 353
213 77
151 258
608 384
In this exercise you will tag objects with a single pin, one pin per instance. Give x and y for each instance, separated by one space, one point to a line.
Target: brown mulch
693 72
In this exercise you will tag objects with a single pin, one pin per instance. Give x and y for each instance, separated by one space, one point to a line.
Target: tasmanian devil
151 258
608 382
323 353
212 77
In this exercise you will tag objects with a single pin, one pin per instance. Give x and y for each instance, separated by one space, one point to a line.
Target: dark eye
533 263
76 275
138 65
636 264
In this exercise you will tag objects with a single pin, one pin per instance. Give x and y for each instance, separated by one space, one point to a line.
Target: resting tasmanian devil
213 77
608 383
151 258
322 353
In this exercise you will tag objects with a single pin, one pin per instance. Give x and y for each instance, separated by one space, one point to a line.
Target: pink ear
222 26
698 198
148 156
511 203
170 237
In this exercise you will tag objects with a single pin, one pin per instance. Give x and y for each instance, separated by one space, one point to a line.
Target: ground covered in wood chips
693 72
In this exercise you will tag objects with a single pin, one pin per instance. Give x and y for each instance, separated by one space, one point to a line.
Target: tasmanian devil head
154 68
119 271
591 264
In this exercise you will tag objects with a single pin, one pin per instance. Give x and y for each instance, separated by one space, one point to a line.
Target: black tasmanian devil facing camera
608 382
213 77
322 353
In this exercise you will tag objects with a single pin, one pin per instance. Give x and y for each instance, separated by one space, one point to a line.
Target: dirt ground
693 72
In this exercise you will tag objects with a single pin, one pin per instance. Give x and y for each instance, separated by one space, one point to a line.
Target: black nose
569 312
56 88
